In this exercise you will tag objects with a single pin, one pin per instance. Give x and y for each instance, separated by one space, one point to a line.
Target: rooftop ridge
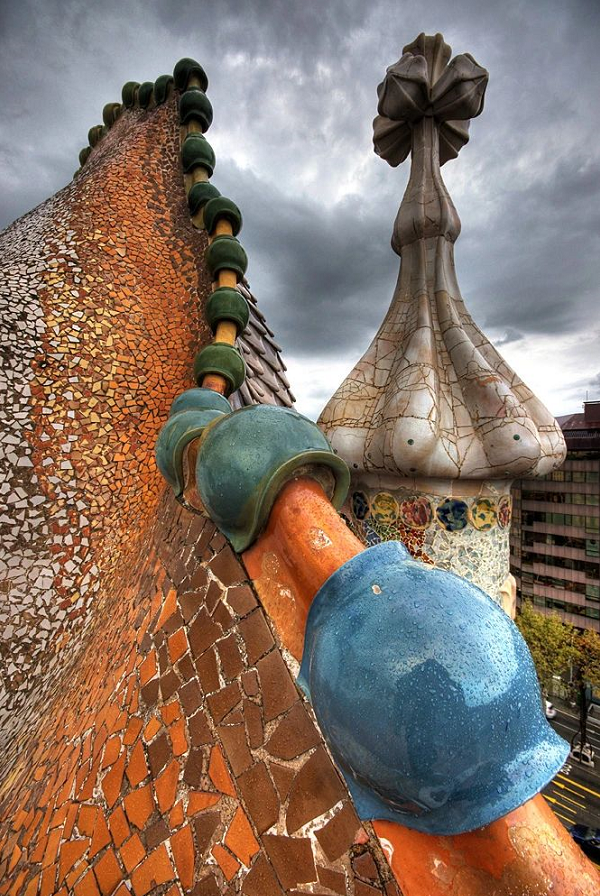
145 95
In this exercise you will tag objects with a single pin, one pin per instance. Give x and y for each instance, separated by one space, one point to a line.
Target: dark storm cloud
293 88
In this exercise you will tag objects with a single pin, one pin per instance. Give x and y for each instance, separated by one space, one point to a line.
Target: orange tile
177 645
112 780
166 786
32 886
218 773
87 819
170 712
148 668
240 838
132 852
70 820
87 886
178 738
168 608
111 751
155 870
108 873
133 729
101 836
47 886
152 729
227 863
118 826
137 768
176 815
199 800
51 848
139 806
70 852
182 846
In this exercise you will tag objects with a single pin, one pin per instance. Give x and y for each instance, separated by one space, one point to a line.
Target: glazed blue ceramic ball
426 694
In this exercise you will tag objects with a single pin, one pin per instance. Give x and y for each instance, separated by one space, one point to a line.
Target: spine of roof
218 366
133 95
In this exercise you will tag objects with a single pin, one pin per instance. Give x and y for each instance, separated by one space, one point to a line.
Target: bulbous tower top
431 397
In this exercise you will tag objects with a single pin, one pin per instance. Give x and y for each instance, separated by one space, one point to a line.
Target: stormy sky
293 87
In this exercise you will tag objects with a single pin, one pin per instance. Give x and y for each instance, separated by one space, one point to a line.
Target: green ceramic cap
110 113
199 195
190 413
184 69
145 92
222 208
225 253
96 134
222 359
128 93
84 154
194 104
197 151
227 304
161 88
245 458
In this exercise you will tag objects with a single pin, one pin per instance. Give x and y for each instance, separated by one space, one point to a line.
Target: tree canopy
552 642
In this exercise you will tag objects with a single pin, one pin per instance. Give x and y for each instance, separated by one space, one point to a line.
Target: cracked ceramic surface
431 397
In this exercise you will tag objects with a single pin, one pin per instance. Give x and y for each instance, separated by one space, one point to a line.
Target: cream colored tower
432 421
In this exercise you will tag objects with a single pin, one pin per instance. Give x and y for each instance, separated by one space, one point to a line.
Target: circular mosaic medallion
504 512
384 508
483 514
452 514
416 513
360 505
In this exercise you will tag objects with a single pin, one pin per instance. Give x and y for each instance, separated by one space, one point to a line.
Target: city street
574 794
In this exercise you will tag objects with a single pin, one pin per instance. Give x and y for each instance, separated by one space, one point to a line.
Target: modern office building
556 528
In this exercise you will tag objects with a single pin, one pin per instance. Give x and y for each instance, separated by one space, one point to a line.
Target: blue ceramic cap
426 694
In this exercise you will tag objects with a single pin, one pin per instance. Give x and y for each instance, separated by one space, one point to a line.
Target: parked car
588 839
550 710
583 754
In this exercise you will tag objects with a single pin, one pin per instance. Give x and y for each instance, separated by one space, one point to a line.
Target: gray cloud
293 87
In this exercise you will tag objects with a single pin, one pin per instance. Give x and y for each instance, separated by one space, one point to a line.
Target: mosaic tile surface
154 740
467 535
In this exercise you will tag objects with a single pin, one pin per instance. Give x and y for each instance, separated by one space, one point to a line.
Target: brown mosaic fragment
283 777
223 701
292 859
194 768
208 671
315 789
250 683
227 568
208 886
278 689
200 733
202 633
231 659
257 635
294 735
159 754
254 724
241 599
233 738
333 880
261 880
362 889
337 836
157 833
364 866
204 827
260 796
190 696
